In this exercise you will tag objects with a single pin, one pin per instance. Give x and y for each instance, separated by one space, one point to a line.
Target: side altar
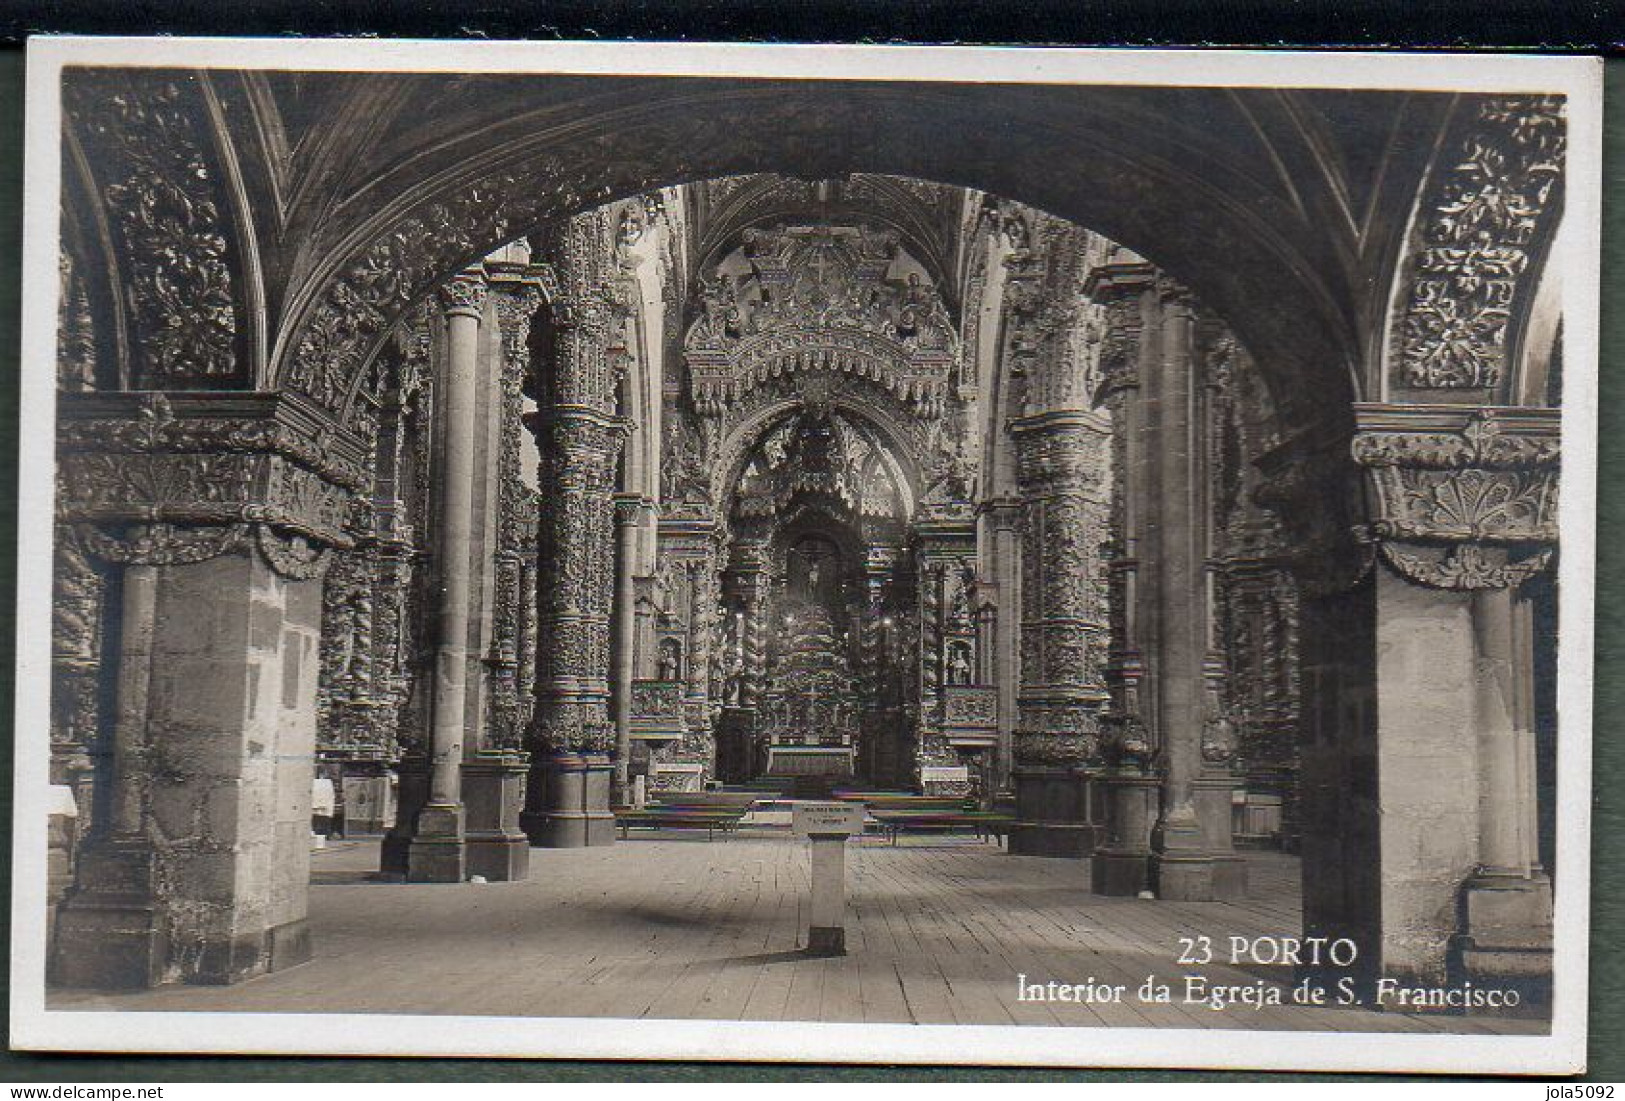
809 713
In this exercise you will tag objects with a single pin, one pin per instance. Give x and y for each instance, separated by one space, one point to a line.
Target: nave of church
482 503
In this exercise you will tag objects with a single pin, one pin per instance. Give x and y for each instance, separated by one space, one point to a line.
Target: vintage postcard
807 553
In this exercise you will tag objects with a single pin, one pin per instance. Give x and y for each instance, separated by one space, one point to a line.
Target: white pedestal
827 826
826 925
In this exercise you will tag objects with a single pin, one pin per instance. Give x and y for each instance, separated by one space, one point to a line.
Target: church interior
1159 484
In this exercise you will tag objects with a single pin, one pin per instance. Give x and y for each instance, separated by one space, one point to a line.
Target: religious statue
959 670
734 685
670 665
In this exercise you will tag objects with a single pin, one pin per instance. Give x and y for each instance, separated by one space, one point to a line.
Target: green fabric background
1607 1011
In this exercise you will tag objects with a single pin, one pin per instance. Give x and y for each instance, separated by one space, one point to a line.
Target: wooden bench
897 811
690 810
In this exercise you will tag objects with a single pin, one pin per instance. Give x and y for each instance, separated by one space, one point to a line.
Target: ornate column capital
631 509
465 293
157 479
1463 497
517 290
1004 513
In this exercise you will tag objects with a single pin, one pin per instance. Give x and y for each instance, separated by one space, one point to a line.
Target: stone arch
1200 211
901 441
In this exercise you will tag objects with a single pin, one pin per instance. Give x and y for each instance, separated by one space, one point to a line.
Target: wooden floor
679 927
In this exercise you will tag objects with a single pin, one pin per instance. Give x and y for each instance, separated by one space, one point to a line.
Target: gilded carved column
1001 654
1062 461
579 437
517 295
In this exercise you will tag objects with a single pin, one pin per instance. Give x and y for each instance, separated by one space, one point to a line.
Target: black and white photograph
842 554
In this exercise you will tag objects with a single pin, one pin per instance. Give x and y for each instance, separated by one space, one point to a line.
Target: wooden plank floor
678 927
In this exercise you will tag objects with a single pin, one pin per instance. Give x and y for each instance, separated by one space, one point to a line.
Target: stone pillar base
438 851
823 940
573 809
1076 841
499 859
1507 941
494 794
1055 813
411 794
1120 873
107 932
1192 877
1121 868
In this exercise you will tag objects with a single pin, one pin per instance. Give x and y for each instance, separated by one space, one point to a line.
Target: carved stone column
579 437
1002 659
1195 858
630 511
1130 790
495 775
437 852
1062 470
753 576
1465 511
516 292
213 514
687 552
743 664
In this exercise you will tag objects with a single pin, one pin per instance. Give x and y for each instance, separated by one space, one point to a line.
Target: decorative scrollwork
291 555
1482 217
164 194
1466 567
160 544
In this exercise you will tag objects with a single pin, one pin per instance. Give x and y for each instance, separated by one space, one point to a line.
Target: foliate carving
1218 739
75 331
1125 742
1258 616
658 702
149 139
517 294
145 461
818 301
1481 218
1040 749
160 544
575 561
1464 567
1452 474
292 556
1063 472
75 604
970 706
1457 438
465 293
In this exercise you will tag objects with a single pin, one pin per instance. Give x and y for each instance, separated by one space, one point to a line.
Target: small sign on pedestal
827 826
